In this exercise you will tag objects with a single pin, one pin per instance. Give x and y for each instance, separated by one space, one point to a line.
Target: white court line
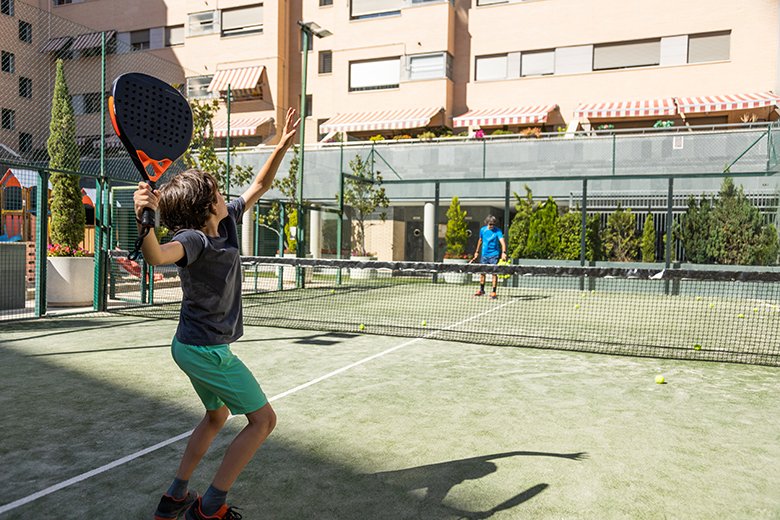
111 465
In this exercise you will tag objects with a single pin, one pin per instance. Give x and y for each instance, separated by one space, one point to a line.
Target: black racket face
152 119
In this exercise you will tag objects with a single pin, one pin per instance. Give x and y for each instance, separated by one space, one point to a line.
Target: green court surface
377 427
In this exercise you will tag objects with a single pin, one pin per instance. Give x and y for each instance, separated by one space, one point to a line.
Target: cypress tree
457 230
648 240
694 230
620 240
544 233
68 218
521 223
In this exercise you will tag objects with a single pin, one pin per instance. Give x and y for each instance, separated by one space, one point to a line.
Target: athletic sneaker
223 513
493 296
479 293
171 508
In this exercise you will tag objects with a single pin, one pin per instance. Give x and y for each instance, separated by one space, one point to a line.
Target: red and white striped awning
240 126
697 105
380 120
245 78
56 44
504 116
90 40
631 108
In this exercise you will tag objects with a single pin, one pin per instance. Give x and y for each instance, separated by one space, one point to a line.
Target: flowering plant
463 256
479 134
63 250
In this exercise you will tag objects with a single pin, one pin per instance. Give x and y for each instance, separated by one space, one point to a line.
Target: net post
150 281
669 238
340 222
99 292
436 197
506 210
144 281
280 269
583 228
227 147
41 241
256 245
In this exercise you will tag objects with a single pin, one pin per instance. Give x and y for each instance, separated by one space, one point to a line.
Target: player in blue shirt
492 245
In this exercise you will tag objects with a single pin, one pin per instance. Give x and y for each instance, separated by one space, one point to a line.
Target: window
8 119
374 8
202 23
537 63
25 87
627 54
430 66
309 104
491 67
25 31
374 74
709 47
491 2
25 143
324 3
325 62
174 35
242 20
88 103
7 61
198 86
7 7
139 40
62 2
320 134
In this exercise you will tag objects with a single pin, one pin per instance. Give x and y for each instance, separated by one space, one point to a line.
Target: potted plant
70 269
456 237
363 195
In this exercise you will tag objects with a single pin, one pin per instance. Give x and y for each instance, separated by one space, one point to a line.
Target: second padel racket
154 123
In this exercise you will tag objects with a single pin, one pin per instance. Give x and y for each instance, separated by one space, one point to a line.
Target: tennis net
702 314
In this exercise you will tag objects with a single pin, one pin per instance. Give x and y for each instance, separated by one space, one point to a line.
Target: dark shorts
489 260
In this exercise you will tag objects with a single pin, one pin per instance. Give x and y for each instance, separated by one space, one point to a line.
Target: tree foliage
570 226
620 241
457 230
288 187
648 240
202 153
521 223
693 230
543 232
68 218
362 197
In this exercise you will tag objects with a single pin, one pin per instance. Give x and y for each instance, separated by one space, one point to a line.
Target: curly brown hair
186 200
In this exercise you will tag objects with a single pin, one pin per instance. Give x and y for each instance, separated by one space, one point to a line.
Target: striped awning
631 108
504 116
245 78
90 40
56 44
240 126
697 105
380 120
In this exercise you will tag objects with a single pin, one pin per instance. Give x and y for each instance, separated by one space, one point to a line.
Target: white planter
70 281
362 274
461 278
289 271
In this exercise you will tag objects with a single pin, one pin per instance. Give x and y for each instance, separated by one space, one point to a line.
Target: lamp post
308 30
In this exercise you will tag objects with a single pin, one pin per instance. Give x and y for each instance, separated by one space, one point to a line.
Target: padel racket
154 123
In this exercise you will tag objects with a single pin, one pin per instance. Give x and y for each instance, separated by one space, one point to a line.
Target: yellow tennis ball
697 347
362 327
712 306
577 306
424 323
660 380
755 309
740 316
698 298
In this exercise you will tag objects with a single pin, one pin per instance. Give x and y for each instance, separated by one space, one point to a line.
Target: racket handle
147 218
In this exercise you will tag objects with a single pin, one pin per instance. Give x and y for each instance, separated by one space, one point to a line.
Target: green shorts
219 377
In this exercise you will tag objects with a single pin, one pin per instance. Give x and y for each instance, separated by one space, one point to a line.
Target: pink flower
479 134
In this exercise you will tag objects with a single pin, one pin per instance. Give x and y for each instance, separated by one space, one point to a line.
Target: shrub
426 136
543 231
457 230
501 132
68 218
378 137
531 132
620 241
648 240
570 226
521 223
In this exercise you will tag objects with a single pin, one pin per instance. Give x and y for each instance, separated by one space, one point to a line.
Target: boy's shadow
438 479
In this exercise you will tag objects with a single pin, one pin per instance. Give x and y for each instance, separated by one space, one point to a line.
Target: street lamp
308 30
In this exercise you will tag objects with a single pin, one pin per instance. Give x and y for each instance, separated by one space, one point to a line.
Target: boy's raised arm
265 177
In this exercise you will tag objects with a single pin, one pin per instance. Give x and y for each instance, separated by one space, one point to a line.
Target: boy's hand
144 197
290 126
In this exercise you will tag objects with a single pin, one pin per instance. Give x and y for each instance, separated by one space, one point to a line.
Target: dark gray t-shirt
210 274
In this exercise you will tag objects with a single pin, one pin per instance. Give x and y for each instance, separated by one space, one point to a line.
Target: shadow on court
438 480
